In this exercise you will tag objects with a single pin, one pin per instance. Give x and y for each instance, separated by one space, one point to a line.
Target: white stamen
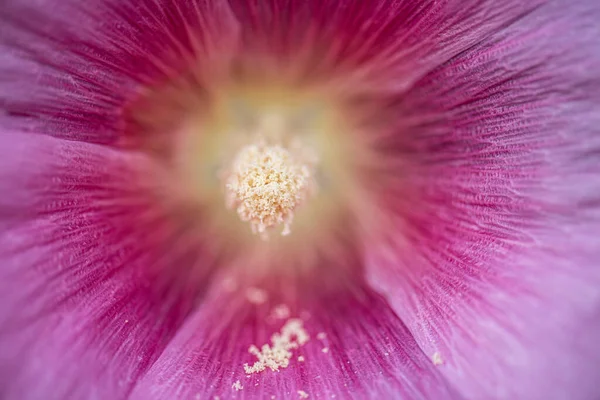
266 184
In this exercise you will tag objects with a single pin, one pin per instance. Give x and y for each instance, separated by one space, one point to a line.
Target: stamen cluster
266 184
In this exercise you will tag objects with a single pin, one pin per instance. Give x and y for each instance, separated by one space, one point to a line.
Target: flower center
268 181
268 162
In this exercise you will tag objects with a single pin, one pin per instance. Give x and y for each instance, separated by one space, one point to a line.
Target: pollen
437 358
278 354
302 394
280 312
267 183
256 296
237 386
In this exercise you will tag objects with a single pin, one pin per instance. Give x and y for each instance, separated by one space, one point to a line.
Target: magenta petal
369 353
68 69
363 46
494 264
490 262
95 278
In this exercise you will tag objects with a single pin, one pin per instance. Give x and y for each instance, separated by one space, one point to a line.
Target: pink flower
433 165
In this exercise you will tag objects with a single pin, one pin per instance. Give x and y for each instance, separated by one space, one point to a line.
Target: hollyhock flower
299 199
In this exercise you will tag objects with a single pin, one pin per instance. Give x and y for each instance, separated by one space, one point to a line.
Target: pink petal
358 349
71 68
491 257
502 235
95 277
71 72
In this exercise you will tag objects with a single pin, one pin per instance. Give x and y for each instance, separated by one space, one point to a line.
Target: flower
433 167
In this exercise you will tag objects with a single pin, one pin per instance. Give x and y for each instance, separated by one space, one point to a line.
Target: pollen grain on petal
278 354
302 394
256 296
280 312
237 386
437 358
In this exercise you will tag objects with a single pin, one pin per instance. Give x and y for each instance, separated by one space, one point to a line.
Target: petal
491 256
358 349
70 69
96 277
380 45
316 42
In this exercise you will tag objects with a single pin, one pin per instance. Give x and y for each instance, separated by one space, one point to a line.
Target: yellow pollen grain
302 394
277 355
237 386
437 358
266 184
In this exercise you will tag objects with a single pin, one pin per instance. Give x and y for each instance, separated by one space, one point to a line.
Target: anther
266 183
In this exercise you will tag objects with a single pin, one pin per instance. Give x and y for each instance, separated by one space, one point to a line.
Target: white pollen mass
279 353
237 386
266 184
